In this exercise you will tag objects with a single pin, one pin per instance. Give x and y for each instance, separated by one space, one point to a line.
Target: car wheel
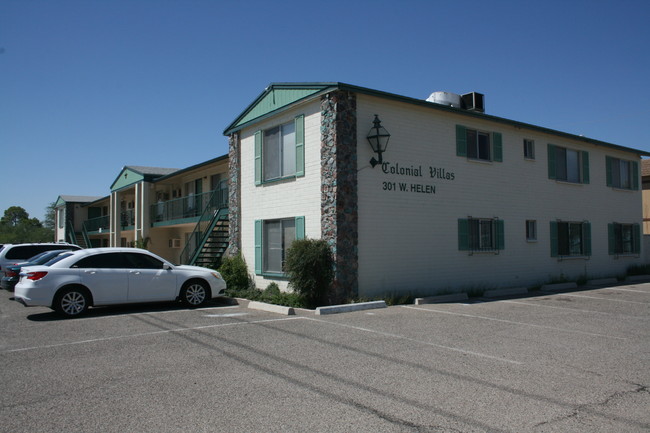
71 302
195 293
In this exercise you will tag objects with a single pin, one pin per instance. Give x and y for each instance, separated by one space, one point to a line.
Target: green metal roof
281 96
275 97
132 174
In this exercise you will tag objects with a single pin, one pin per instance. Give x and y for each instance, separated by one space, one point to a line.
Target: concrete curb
333 309
499 293
602 282
638 278
558 287
271 308
454 297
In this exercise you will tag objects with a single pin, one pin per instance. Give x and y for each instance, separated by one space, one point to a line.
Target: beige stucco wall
408 241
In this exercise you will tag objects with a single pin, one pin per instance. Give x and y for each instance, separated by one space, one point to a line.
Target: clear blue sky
89 86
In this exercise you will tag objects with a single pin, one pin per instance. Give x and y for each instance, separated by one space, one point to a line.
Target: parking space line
578 310
151 313
425 343
601 299
146 334
625 290
512 322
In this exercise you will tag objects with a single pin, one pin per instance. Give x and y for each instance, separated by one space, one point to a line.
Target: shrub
235 272
310 266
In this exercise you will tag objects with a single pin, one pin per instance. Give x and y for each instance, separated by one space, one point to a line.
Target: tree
50 212
14 216
17 227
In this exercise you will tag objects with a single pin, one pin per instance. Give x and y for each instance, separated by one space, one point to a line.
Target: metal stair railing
84 233
70 236
215 208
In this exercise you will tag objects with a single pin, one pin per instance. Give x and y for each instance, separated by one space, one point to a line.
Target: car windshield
57 258
34 259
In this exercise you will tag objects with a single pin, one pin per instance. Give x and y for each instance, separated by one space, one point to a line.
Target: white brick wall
282 199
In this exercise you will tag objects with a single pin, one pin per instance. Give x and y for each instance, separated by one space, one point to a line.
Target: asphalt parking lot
550 362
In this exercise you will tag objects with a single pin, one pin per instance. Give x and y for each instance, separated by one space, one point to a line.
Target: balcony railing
97 224
127 218
191 206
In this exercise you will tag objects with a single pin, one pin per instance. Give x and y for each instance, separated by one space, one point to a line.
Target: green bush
310 266
235 272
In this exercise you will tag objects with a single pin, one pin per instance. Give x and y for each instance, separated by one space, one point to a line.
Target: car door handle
135 272
91 272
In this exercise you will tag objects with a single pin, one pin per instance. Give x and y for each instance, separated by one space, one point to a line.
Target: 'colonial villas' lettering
441 173
389 168
416 171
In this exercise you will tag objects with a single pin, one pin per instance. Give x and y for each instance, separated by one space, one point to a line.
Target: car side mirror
167 267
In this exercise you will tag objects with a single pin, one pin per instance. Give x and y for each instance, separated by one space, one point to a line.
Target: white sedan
104 276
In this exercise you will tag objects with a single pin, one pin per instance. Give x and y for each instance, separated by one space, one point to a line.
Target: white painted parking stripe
153 313
577 310
602 299
425 343
146 334
625 290
512 322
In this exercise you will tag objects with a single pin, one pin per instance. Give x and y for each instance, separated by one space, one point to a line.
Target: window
622 174
61 216
529 149
279 152
272 240
531 230
624 238
103 261
478 145
568 165
480 234
570 239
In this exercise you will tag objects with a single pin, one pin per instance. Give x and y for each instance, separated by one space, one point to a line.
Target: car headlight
217 275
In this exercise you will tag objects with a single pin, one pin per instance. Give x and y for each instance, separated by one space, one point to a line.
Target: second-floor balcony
188 208
97 225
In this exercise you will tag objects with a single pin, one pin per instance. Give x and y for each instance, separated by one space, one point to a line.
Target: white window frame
531 230
475 146
529 149
285 152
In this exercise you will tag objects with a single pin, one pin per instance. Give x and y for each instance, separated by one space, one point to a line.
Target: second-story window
622 173
568 165
279 152
478 145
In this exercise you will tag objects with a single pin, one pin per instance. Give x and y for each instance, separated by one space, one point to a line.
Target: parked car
104 276
11 272
14 253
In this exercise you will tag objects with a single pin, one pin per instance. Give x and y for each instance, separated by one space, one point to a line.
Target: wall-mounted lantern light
378 138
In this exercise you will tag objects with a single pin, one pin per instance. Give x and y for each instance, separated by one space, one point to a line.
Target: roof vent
445 98
473 102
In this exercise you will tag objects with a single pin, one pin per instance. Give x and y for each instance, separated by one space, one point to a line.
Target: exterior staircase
80 240
215 245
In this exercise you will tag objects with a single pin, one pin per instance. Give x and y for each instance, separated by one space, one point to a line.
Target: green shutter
300 145
585 167
258 247
611 239
608 170
258 158
463 234
461 140
586 238
501 244
300 227
551 162
636 228
635 175
497 145
554 239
